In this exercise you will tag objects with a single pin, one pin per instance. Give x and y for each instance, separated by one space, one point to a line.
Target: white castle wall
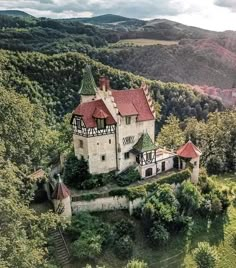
107 204
135 129
94 148
101 204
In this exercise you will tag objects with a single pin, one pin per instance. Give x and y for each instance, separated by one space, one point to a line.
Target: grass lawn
148 42
178 251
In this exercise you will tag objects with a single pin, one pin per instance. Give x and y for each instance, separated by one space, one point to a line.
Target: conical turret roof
61 191
189 150
88 85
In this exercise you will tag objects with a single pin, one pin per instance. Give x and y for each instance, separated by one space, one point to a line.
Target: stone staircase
62 251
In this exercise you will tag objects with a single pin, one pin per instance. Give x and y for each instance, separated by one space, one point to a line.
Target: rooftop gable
89 110
133 102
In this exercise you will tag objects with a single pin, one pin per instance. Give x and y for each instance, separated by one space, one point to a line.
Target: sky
216 15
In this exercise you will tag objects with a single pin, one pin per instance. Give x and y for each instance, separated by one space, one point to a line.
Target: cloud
131 8
202 13
231 4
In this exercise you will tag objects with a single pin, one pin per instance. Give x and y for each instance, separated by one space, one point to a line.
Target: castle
115 129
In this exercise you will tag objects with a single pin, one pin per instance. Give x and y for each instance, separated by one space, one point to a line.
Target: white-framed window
128 120
101 123
126 155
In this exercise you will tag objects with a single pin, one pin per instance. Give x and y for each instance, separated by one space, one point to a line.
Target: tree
136 264
158 234
89 245
171 135
76 171
189 197
23 233
21 129
205 256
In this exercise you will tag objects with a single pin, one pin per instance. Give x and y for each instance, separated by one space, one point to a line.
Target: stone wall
106 204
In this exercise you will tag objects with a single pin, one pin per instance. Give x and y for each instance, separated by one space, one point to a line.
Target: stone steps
62 251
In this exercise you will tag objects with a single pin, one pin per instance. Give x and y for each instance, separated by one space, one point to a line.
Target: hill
198 62
14 13
193 55
54 82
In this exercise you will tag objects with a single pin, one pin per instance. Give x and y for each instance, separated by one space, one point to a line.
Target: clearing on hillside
148 42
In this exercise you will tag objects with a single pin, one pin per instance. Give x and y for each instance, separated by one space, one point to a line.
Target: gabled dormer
88 87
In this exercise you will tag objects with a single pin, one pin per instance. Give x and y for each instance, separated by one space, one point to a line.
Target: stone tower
190 152
61 199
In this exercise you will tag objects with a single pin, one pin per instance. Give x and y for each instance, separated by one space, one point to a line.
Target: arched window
148 172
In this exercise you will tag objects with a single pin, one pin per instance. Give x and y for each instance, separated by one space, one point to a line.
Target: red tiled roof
127 109
131 102
87 110
99 113
60 192
189 150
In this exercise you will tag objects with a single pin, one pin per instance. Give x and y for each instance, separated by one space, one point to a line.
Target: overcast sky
209 14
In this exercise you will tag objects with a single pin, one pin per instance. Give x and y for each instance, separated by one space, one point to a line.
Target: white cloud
210 14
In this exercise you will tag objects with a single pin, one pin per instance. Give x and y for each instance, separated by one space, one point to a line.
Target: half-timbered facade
114 129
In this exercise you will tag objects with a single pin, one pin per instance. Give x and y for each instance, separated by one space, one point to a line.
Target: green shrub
127 177
136 264
205 256
123 247
178 177
234 239
89 245
205 207
216 206
124 228
158 234
137 192
206 184
75 171
119 192
189 197
224 199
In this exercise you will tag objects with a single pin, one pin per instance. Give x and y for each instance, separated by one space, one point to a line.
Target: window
101 123
78 123
148 172
148 156
128 140
126 155
109 141
128 120
163 166
81 144
103 157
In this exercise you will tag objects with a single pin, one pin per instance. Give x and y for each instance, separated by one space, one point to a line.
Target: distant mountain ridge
15 13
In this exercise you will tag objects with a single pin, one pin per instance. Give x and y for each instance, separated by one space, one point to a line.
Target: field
148 42
178 252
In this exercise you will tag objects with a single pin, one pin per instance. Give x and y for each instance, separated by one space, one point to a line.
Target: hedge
141 191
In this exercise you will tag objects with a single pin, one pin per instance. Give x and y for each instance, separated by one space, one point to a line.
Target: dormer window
101 123
128 120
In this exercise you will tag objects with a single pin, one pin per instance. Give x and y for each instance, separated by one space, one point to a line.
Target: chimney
104 83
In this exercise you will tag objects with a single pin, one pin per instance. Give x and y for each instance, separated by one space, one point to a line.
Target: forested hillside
199 56
54 82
